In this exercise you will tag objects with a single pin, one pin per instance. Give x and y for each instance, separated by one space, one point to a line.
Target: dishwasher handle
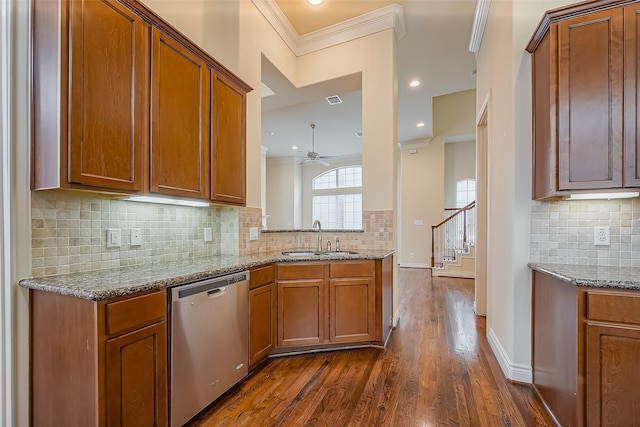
213 286
214 292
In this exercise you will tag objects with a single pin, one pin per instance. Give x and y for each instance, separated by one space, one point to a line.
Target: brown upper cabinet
584 65
91 101
228 156
179 119
124 103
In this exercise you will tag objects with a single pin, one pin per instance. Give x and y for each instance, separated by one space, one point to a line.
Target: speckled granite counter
103 284
591 275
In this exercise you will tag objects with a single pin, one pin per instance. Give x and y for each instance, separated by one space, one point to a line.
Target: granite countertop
592 275
104 284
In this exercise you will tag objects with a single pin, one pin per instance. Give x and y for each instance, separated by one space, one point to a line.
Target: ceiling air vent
333 100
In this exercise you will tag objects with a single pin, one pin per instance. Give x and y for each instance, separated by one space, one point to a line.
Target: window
337 198
465 192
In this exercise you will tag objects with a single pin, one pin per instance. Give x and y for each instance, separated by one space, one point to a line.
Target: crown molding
479 22
460 138
388 17
415 143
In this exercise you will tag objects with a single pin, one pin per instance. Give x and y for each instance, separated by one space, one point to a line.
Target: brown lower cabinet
98 363
326 303
586 352
262 313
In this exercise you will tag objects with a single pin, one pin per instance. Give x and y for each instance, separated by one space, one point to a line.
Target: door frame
482 207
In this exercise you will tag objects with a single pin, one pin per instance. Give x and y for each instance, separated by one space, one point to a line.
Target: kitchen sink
316 253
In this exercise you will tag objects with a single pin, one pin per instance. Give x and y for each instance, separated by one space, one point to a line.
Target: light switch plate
136 237
601 236
253 233
113 238
208 234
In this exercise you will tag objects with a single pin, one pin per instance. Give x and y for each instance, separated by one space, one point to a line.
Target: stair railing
453 235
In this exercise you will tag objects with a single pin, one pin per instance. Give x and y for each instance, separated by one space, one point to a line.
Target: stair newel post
433 258
464 229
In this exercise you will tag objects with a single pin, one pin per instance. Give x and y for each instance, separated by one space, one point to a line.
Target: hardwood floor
437 370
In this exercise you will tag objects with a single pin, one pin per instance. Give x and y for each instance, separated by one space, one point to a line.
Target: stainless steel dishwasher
209 329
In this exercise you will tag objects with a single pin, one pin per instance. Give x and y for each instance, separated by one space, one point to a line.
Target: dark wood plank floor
437 370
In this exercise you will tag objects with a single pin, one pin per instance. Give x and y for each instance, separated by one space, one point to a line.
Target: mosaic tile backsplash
69 232
562 232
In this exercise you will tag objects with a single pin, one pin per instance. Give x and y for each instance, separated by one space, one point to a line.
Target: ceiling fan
312 156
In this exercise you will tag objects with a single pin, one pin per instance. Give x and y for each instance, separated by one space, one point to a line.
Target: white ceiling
434 51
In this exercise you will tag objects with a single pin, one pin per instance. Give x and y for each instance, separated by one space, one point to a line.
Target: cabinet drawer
352 269
299 271
135 312
261 276
613 307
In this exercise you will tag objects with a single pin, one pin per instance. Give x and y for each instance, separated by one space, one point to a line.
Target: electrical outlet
208 234
601 236
113 238
136 237
253 233
411 254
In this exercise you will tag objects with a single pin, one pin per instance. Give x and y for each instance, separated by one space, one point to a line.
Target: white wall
504 77
16 224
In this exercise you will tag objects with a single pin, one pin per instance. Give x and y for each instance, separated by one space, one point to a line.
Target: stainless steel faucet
316 222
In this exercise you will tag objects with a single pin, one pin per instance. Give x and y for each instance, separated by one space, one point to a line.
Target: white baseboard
414 265
512 371
460 274
396 319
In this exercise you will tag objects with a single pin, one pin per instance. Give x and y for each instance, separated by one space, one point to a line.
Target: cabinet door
136 378
228 141
352 306
613 375
179 120
301 312
590 104
262 322
108 96
632 95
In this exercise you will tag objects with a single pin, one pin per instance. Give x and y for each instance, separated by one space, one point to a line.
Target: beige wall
283 193
504 78
422 176
459 163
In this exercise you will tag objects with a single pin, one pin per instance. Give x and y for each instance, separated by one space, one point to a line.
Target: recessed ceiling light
414 83
315 2
294 147
420 125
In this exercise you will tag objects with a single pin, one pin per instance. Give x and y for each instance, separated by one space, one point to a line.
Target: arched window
337 198
465 192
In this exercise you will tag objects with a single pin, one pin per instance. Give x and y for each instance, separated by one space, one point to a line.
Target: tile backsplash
562 232
69 231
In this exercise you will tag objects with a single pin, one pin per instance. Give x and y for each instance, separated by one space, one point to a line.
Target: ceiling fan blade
322 162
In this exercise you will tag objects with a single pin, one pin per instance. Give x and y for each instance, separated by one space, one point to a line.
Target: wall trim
459 274
385 18
396 319
6 352
460 138
479 23
414 265
513 371
420 143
